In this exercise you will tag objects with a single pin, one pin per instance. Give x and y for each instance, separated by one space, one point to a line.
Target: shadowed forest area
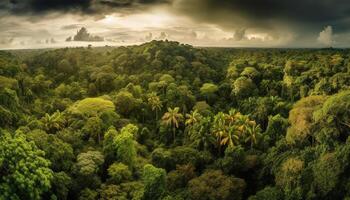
168 121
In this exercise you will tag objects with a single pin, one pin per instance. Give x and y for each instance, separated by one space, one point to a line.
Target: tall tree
125 145
252 134
173 118
219 129
155 103
192 119
231 137
201 135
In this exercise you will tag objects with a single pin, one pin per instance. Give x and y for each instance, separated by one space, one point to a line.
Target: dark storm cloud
28 6
305 14
310 10
23 7
266 13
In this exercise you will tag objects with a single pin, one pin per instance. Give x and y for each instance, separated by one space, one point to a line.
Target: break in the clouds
238 23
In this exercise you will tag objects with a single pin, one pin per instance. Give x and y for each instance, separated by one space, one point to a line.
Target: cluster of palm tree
199 130
223 130
233 128
53 123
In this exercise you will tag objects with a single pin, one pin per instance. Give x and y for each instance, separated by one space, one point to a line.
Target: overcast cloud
237 23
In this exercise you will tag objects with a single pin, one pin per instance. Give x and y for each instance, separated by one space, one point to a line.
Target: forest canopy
167 121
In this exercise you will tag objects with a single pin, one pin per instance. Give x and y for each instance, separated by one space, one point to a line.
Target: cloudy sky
230 23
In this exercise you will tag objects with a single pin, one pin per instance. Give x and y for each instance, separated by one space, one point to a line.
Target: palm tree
173 118
201 135
227 128
192 119
252 133
232 116
219 128
230 138
155 103
243 122
274 99
54 122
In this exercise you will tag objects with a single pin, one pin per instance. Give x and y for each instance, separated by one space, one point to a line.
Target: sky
223 23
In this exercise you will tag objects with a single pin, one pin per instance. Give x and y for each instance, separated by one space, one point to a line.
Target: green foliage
154 181
119 172
232 72
9 99
234 160
278 119
7 118
294 68
199 131
334 114
186 155
6 82
276 128
126 103
92 106
181 155
124 144
89 163
53 123
214 184
72 91
58 152
243 87
9 65
163 158
326 172
301 118
93 128
124 191
25 173
251 72
88 194
61 184
270 193
108 144
290 174
208 90
65 67
202 108
179 178
167 78
109 118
